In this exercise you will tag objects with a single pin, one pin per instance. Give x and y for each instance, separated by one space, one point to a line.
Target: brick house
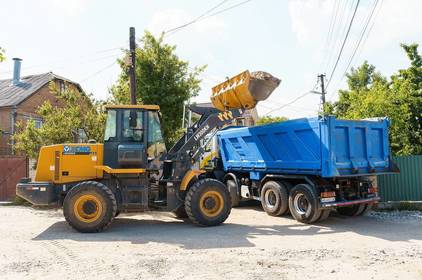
21 96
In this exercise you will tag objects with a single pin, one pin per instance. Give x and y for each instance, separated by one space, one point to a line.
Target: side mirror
132 119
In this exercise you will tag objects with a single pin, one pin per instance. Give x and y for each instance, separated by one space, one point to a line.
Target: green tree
60 123
369 94
162 78
270 119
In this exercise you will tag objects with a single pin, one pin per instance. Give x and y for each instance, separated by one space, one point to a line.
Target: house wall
27 110
5 127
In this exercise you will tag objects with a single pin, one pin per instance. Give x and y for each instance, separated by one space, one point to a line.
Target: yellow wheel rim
88 208
211 203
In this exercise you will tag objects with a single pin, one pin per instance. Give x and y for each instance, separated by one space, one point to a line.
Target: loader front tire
180 212
208 202
89 207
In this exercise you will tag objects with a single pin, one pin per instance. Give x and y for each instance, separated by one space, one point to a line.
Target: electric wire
195 19
362 37
98 72
176 29
370 28
343 44
368 19
336 37
328 39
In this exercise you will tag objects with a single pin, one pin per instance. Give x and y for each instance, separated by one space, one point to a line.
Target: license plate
328 199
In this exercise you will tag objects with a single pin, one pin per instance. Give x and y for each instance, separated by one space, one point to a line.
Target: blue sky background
79 39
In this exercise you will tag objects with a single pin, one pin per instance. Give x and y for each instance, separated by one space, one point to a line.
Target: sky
291 39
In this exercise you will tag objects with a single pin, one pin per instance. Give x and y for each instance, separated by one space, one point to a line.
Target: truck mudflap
38 193
351 202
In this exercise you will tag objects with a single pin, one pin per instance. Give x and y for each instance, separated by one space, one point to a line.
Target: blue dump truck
309 166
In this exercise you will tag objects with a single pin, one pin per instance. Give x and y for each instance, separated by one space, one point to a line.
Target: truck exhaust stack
244 90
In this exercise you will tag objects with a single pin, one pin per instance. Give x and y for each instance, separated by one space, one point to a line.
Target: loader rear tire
208 202
274 198
89 207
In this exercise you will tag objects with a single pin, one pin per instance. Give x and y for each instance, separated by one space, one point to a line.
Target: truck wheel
89 207
274 198
180 212
208 202
324 215
234 192
352 210
367 209
303 204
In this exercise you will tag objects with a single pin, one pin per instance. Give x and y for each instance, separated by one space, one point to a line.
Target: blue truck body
325 147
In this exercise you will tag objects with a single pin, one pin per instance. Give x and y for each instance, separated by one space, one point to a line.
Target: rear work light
372 190
328 196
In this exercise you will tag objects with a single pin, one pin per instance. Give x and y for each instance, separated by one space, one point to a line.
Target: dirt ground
38 244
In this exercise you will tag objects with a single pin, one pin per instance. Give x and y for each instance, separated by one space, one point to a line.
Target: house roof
11 95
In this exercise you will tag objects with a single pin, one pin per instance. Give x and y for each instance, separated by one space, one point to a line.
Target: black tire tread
284 198
188 200
235 199
109 194
317 211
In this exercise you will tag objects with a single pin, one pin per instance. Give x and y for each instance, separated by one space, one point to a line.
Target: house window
38 123
62 86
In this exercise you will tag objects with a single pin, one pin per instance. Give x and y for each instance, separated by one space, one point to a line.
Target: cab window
132 129
156 144
110 131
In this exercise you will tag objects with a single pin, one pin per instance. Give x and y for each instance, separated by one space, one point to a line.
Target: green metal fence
406 186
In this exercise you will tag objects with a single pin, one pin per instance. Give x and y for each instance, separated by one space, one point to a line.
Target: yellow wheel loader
132 171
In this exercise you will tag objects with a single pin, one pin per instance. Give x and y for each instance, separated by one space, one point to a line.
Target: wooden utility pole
132 72
323 93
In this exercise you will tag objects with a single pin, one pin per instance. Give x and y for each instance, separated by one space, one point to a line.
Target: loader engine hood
244 90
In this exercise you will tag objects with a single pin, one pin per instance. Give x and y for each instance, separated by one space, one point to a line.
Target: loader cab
133 137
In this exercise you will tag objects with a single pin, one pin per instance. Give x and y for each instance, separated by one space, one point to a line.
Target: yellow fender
191 174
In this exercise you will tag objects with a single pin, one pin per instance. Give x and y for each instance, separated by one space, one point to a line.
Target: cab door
125 139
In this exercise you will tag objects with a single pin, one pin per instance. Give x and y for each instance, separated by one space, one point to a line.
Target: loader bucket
244 90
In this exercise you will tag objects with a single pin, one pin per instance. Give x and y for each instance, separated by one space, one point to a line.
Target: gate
406 186
12 169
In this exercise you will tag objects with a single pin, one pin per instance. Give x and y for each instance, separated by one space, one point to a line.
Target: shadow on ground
231 235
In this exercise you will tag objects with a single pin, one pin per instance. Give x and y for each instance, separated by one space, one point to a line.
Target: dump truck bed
326 147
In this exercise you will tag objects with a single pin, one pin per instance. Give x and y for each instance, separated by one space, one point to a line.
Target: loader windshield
133 129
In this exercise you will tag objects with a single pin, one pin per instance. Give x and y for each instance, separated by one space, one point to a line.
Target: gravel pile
396 216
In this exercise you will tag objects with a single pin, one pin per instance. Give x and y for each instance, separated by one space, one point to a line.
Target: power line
195 19
98 72
334 13
287 104
202 17
370 28
336 32
228 8
73 60
361 36
344 42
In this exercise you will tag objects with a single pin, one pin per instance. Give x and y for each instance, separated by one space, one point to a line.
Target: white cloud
308 18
